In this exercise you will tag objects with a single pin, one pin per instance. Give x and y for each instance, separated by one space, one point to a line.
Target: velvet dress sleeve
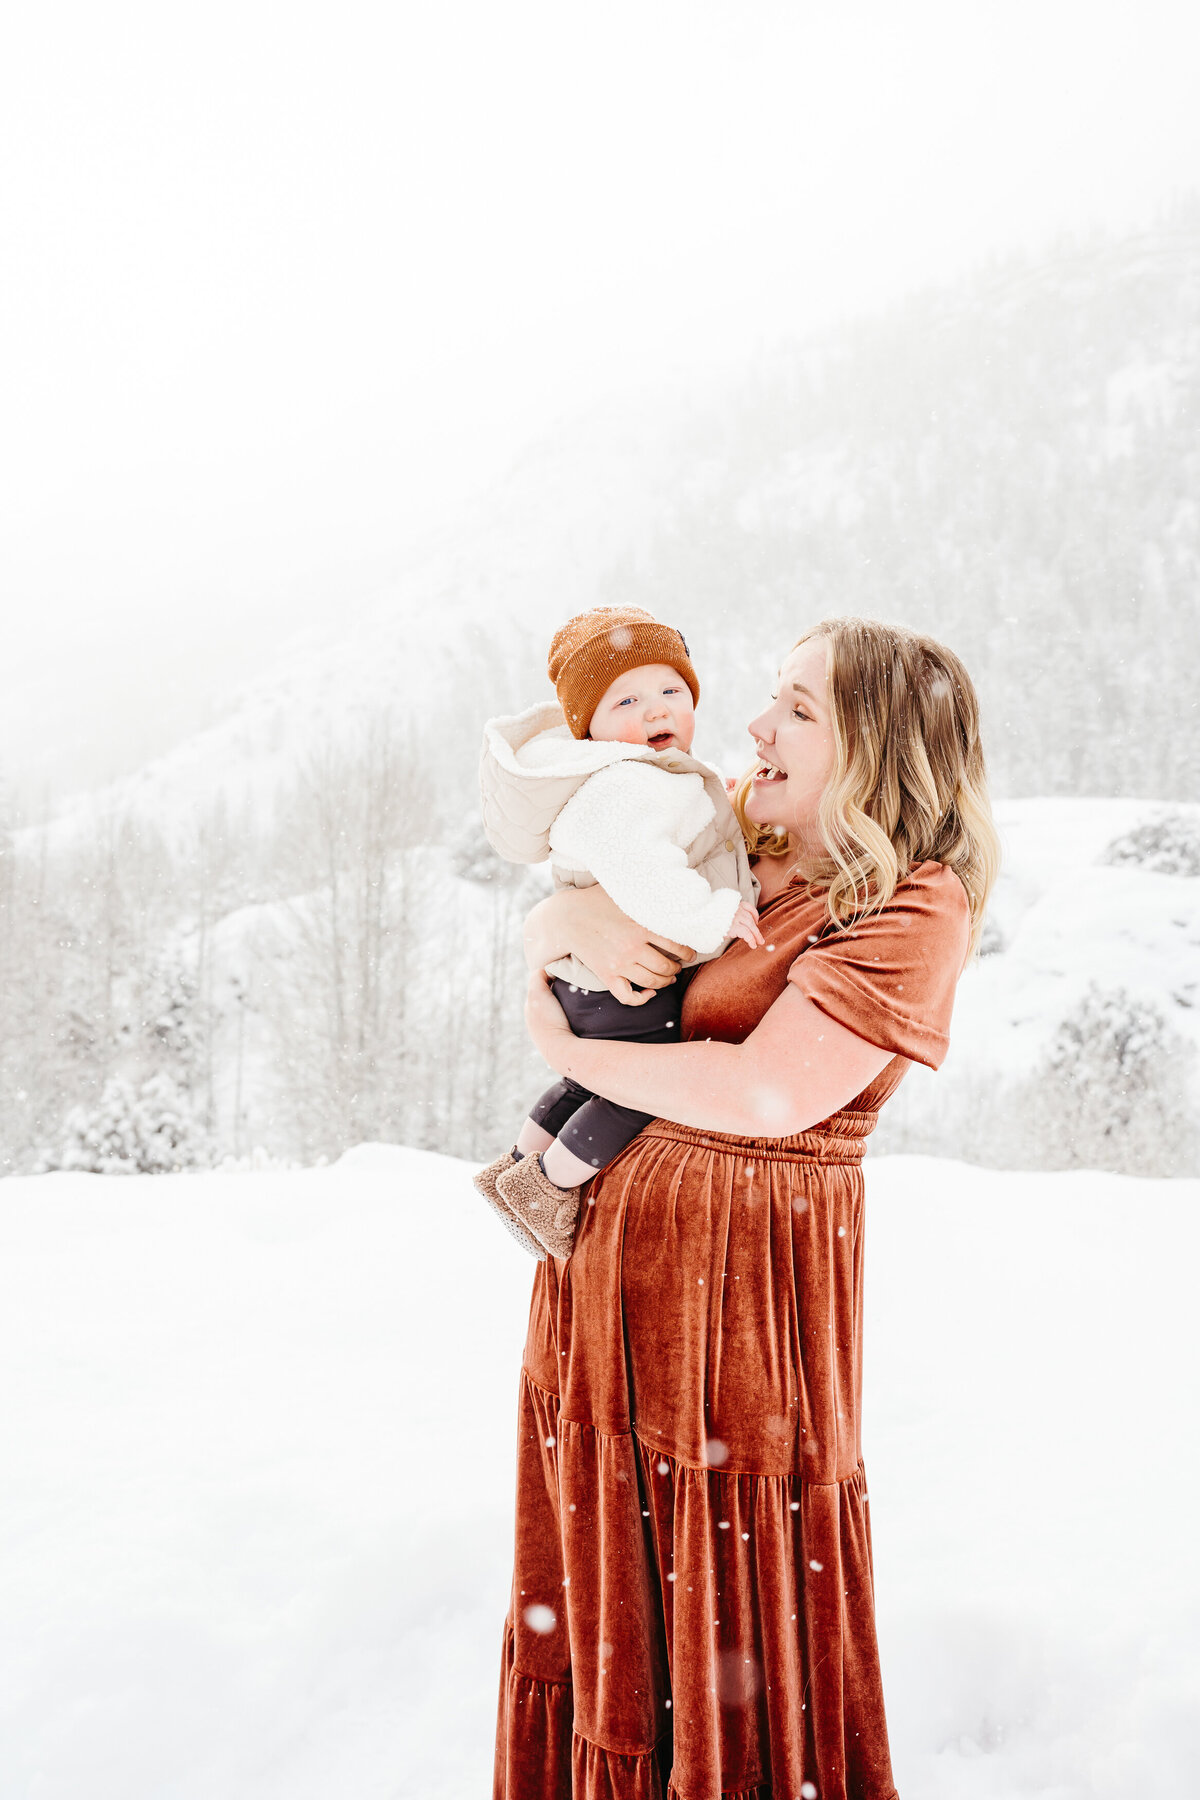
890 978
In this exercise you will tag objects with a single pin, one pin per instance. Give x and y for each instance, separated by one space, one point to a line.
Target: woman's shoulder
936 886
930 909
930 889
890 974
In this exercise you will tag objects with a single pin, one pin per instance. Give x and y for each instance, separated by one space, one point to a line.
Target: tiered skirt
692 1612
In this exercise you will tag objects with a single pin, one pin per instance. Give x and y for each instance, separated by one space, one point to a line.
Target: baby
612 796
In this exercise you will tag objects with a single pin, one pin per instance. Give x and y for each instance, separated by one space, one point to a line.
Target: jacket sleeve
629 826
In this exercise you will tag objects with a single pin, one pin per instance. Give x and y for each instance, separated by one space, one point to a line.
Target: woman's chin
762 809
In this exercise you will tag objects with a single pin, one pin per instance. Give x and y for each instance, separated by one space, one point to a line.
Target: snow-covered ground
254 1527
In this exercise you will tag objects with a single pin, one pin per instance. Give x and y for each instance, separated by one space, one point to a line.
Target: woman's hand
584 922
546 1022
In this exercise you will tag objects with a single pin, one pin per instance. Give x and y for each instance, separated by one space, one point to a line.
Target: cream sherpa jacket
654 828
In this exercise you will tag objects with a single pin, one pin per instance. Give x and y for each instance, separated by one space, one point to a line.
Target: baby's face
651 704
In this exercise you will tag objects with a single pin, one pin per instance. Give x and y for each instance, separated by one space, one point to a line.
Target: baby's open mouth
661 739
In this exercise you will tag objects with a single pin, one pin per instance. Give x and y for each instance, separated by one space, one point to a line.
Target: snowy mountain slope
1009 462
463 620
257 1516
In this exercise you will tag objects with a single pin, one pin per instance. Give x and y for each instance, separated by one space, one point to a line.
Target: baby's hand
745 926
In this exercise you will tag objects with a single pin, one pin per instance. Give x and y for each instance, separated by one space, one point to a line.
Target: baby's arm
746 926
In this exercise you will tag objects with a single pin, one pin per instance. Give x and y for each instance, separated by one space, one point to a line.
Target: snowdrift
259 1429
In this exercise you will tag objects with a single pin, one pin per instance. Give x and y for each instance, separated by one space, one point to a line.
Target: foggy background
343 354
344 357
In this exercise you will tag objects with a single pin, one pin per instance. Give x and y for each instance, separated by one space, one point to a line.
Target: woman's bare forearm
693 1084
794 1070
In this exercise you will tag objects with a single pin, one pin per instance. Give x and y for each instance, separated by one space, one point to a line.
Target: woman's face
794 738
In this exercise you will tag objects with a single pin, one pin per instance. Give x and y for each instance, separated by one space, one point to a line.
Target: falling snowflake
539 1619
715 1452
816 1567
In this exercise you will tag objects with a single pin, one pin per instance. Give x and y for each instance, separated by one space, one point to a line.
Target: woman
692 1608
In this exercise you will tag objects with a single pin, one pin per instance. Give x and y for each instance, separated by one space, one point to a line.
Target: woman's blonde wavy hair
909 783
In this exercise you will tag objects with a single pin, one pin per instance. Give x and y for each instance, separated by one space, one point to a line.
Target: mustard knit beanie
593 648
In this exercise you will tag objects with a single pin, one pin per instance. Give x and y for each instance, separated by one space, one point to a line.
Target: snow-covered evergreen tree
147 1130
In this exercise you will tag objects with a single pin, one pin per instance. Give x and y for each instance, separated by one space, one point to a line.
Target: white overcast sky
279 279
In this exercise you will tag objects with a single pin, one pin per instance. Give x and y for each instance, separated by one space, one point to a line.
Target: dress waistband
840 1139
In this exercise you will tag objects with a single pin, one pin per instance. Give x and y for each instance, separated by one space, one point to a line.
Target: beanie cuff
594 649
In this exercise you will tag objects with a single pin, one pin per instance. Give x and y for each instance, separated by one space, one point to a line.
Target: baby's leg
595 1133
531 1138
564 1168
548 1115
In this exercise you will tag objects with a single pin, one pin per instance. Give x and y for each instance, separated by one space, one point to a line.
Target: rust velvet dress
692 1611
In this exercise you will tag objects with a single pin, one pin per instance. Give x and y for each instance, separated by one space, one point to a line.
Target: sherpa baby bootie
548 1213
485 1181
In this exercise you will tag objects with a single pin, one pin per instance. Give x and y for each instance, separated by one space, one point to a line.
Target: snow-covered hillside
259 1439
1008 462
463 621
1065 919
1062 920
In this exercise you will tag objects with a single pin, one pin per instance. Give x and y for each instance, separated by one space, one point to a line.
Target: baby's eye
628 701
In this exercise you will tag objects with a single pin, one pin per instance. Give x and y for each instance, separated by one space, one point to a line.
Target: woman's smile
795 744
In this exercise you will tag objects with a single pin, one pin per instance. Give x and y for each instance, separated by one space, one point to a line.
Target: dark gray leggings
593 1129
